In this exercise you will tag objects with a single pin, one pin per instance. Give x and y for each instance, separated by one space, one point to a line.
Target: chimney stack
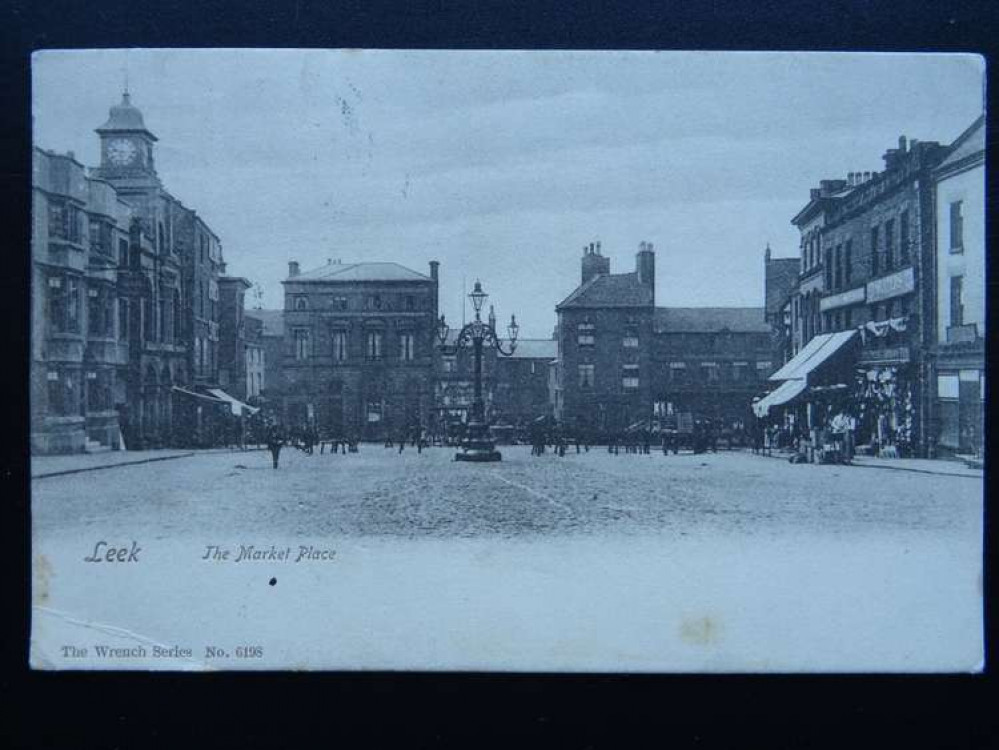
292 268
434 266
594 264
901 144
645 267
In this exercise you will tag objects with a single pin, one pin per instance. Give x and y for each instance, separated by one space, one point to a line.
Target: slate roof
536 349
373 271
970 142
610 290
272 320
710 319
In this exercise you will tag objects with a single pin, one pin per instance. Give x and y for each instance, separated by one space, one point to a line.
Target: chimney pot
598 247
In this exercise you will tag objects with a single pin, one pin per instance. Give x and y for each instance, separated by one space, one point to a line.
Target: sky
502 165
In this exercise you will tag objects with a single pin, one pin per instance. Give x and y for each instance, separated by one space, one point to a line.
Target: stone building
80 328
959 184
232 336
148 267
623 362
359 348
271 326
255 360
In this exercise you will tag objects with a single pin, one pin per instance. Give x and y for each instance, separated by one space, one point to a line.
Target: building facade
605 331
359 348
623 362
232 351
959 185
867 258
80 332
145 340
709 362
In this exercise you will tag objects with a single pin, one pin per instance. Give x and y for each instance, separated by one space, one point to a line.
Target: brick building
780 291
521 393
605 331
868 272
359 348
623 361
710 361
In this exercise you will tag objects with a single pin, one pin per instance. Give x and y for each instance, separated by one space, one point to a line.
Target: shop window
586 376
956 227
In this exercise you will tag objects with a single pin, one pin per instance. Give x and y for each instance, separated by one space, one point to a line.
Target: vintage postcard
513 361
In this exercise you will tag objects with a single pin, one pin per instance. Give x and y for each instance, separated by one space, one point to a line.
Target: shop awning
235 404
784 393
195 394
816 352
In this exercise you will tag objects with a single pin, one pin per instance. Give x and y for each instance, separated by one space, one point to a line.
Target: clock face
121 151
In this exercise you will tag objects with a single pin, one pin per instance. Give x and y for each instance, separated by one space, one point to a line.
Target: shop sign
902 282
849 297
894 355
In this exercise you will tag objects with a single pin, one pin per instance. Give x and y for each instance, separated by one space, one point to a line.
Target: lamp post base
478 456
478 446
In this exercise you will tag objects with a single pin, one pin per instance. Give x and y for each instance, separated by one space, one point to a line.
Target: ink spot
273 582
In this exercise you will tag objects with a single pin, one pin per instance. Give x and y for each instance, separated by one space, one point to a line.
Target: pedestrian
275 441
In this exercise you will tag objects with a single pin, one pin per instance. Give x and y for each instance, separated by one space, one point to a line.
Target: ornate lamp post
478 444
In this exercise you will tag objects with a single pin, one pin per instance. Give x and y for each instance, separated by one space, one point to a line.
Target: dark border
281 710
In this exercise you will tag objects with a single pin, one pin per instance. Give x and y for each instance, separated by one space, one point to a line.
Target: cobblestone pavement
381 493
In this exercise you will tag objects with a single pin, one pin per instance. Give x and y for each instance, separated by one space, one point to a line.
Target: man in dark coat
275 441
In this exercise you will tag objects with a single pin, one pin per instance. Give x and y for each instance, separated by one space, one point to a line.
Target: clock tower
127 149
